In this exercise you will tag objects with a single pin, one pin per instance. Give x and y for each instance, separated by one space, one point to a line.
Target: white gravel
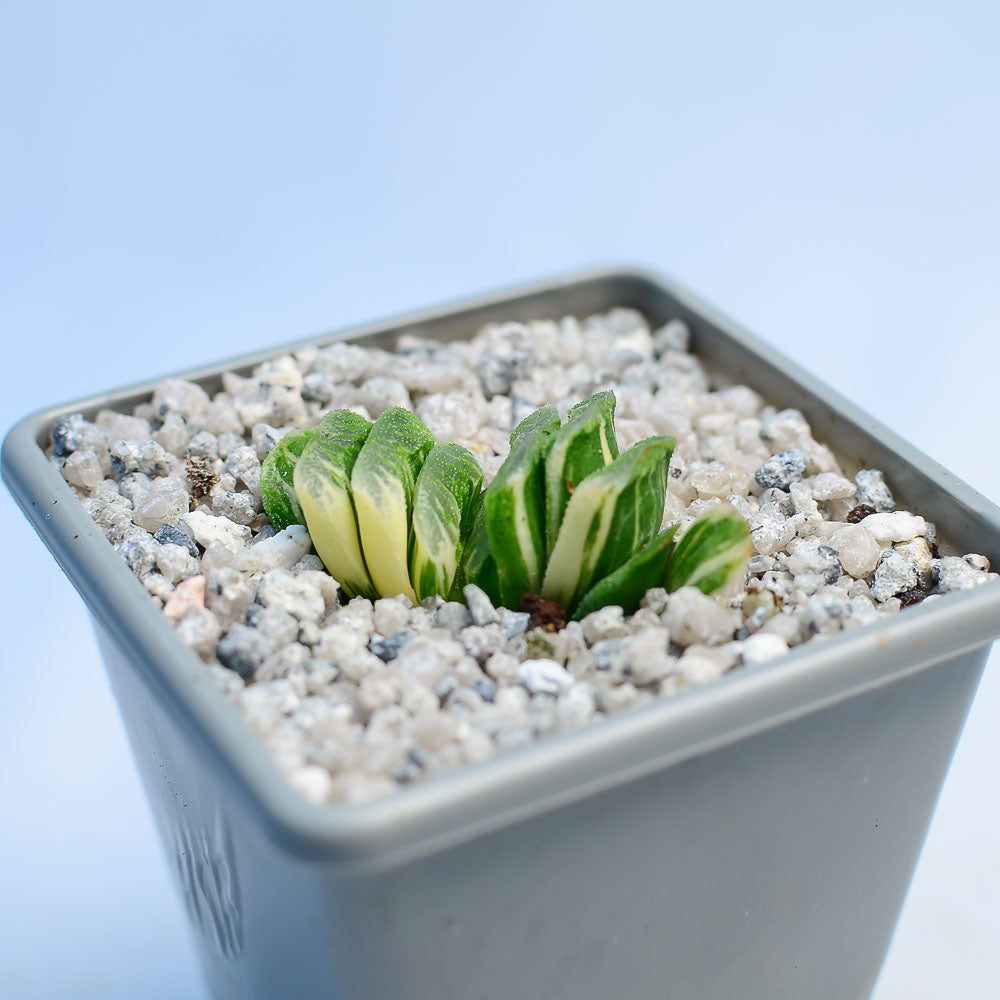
355 700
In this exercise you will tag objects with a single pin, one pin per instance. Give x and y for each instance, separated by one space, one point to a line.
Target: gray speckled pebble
139 553
893 575
141 455
387 647
781 470
74 433
873 490
954 573
167 534
242 650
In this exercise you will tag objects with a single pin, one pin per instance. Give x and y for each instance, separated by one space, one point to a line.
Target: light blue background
179 185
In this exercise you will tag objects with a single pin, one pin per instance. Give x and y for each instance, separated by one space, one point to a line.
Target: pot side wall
773 866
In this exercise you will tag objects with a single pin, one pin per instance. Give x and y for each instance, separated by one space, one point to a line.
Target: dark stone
387 647
913 596
242 650
267 531
167 534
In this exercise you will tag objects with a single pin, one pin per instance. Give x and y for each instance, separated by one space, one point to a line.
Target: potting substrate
356 699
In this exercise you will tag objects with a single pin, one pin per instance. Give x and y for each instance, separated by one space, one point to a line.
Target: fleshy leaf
610 515
277 489
444 498
585 443
514 508
478 565
382 485
322 485
713 551
628 584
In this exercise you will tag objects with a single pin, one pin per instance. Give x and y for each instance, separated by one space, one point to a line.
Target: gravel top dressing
355 698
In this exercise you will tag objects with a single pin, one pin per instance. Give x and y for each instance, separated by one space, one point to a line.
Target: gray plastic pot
753 838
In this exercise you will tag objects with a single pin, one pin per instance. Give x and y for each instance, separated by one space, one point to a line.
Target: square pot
754 837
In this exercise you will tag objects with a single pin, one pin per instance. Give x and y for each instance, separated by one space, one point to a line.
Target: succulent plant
390 511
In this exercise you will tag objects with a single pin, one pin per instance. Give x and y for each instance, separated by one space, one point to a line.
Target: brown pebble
545 614
860 512
913 596
201 476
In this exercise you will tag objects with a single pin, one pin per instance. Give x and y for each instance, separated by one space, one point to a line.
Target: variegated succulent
390 511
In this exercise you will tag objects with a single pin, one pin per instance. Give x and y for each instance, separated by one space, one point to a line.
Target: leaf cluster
391 511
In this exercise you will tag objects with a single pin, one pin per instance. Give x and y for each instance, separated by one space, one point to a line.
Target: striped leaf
322 486
514 508
444 499
277 490
382 485
478 565
713 551
585 443
628 584
610 515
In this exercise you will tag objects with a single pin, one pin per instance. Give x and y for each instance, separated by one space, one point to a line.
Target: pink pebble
186 593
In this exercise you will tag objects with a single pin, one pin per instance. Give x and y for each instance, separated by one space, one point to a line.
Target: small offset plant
391 511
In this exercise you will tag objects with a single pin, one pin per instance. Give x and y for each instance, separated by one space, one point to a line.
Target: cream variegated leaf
382 485
322 485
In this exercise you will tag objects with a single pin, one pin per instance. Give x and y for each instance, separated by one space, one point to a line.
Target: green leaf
610 515
277 490
514 508
382 486
322 486
444 498
586 442
628 584
478 565
713 551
